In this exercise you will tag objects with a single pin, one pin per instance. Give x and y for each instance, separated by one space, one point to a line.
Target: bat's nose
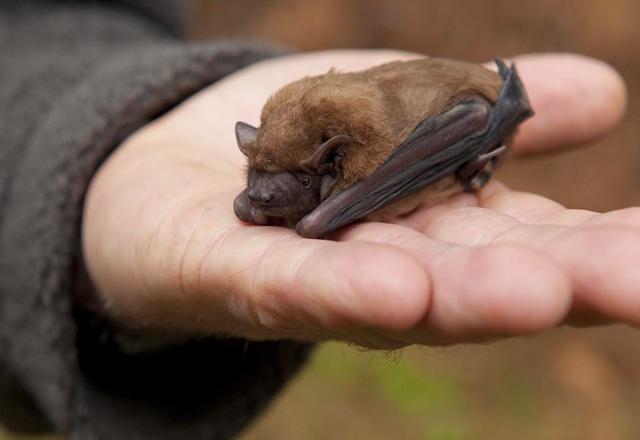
262 198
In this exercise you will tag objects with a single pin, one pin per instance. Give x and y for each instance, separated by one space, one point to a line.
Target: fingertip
396 292
576 99
383 287
519 291
603 261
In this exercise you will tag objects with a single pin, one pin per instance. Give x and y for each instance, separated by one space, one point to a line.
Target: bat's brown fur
378 108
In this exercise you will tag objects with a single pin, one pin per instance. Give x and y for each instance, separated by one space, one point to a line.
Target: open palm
496 263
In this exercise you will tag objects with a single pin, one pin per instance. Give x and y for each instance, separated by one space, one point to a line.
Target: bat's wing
460 141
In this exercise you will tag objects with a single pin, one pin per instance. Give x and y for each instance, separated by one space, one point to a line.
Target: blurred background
565 384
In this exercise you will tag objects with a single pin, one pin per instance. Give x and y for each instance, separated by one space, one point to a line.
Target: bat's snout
244 210
261 197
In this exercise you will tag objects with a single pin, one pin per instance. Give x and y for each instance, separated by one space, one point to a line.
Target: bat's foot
511 108
475 174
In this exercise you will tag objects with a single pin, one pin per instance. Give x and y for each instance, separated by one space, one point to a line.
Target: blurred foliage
564 384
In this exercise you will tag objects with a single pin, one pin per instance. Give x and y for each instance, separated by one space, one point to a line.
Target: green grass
398 384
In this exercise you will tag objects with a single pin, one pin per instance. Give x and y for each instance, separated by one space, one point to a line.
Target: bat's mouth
251 212
281 216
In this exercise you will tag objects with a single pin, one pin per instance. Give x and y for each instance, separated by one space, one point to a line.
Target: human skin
166 252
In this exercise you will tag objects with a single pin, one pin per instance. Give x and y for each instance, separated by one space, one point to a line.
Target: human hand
165 250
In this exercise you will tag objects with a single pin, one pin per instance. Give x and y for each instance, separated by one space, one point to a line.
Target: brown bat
339 147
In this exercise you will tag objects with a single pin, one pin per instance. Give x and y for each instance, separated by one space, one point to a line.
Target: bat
340 147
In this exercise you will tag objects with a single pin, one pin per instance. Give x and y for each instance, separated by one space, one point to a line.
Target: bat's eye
306 182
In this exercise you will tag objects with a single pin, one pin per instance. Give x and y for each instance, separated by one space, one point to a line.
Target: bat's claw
503 69
475 174
513 98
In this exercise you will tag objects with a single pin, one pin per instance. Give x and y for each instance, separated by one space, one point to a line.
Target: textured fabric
75 79
174 15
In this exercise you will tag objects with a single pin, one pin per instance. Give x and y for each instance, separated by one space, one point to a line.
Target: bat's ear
245 137
327 155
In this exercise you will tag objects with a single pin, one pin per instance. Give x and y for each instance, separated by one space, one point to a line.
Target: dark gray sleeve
75 79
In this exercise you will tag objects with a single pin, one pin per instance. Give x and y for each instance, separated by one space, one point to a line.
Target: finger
628 217
465 218
529 208
521 206
345 286
419 218
477 292
575 98
599 259
273 284
536 209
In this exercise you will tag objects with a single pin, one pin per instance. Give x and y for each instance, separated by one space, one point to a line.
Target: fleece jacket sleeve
75 79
